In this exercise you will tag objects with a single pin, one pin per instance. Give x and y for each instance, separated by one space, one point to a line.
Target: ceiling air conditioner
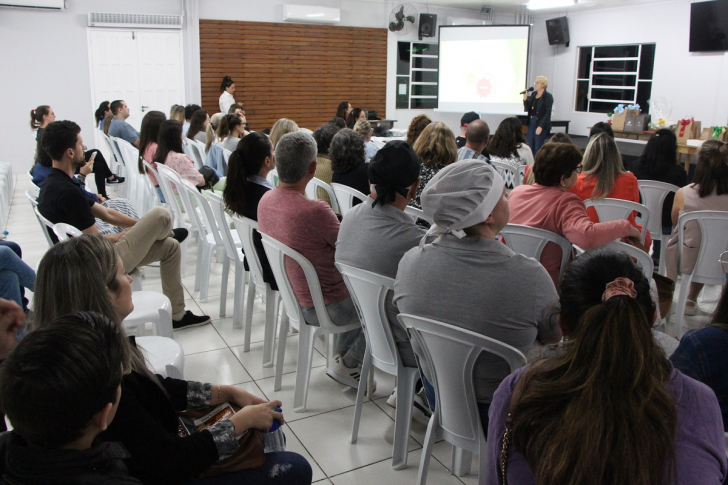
466 21
134 20
311 14
44 4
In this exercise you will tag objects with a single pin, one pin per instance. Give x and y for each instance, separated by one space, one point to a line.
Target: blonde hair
543 80
177 113
363 127
280 128
211 129
436 145
603 161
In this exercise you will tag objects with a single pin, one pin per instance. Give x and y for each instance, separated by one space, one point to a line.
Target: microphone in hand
529 90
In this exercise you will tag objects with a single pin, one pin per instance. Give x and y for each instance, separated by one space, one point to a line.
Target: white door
142 67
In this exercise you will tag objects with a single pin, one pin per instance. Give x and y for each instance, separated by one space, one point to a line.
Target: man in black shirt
144 241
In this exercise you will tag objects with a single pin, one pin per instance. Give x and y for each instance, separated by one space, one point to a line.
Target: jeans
535 141
14 274
280 468
352 342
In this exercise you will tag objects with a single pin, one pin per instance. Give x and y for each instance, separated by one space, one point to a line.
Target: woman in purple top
607 407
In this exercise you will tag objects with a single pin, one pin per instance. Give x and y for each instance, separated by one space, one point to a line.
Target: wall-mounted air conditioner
45 4
466 21
134 20
311 14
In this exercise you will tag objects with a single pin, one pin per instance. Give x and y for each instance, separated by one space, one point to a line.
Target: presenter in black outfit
538 106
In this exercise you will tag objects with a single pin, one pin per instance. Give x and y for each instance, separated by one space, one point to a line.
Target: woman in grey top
231 130
198 125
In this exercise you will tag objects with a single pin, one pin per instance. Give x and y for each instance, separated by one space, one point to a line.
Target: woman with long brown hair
437 149
607 408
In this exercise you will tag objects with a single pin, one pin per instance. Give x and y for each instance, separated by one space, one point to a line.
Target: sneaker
420 409
179 234
392 399
346 375
116 180
691 308
190 320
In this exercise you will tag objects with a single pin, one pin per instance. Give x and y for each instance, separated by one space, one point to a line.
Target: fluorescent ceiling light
542 4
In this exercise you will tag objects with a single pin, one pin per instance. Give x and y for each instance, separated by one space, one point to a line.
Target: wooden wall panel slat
295 71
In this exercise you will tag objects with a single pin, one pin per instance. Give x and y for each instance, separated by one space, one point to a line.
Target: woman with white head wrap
467 278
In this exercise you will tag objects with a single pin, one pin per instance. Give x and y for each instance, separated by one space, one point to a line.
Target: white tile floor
214 353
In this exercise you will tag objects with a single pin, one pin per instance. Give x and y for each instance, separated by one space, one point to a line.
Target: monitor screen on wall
483 68
709 26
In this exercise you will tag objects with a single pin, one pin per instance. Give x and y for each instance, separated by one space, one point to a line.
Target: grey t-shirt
481 285
230 143
122 129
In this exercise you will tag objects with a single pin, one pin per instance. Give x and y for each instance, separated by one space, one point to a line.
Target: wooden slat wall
295 71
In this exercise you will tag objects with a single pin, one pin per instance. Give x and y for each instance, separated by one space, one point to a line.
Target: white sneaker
346 375
392 399
420 408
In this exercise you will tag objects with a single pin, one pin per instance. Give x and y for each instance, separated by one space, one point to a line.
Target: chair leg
365 367
164 326
201 249
483 460
306 341
205 283
240 277
663 244
427 449
403 416
183 263
682 300
271 307
249 300
282 338
461 461
224 285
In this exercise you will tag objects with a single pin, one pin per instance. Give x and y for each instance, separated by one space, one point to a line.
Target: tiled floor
214 353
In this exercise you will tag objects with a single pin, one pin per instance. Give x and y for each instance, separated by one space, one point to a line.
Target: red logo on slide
483 87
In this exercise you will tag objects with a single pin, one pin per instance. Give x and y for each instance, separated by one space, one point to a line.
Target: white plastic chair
446 354
233 254
345 196
713 242
150 306
194 156
164 356
531 241
46 225
417 214
193 151
133 185
508 172
644 261
149 188
311 192
165 177
200 146
369 292
273 177
226 154
617 209
246 229
65 231
150 169
32 195
653 197
277 252
116 163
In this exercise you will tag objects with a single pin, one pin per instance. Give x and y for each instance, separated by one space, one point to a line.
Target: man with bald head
477 135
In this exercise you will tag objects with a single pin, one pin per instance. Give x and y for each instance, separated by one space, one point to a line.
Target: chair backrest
32 195
448 353
200 148
136 191
246 229
417 213
198 154
653 197
713 242
190 150
369 292
150 187
345 196
113 148
223 225
317 183
273 177
205 211
46 225
277 253
644 260
189 204
617 209
65 231
508 172
226 154
165 178
531 241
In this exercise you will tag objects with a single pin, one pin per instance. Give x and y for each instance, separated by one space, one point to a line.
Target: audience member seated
508 145
375 235
436 149
311 228
146 240
467 278
357 114
230 131
101 113
146 420
659 162
237 109
703 354
477 135
246 184
213 152
364 128
607 393
340 124
417 125
348 161
601 127
118 127
549 205
177 113
343 110
198 124
190 110
280 128
603 176
226 98
15 275
465 120
323 136
61 387
148 137
708 191
556 138
170 153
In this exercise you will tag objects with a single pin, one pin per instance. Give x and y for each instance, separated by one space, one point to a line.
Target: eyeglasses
578 168
723 259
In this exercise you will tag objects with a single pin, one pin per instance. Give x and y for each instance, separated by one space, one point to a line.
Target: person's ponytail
37 114
227 81
223 130
246 160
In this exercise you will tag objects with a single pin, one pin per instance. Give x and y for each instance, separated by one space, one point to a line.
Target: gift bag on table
706 133
642 122
629 123
684 130
618 120
697 130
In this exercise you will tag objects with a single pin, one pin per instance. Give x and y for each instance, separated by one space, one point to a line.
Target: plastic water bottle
275 439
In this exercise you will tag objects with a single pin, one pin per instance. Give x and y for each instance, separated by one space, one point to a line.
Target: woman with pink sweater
170 153
548 205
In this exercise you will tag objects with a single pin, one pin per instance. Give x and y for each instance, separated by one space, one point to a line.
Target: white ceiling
518 5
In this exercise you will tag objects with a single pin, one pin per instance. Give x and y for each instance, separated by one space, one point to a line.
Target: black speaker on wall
558 31
428 24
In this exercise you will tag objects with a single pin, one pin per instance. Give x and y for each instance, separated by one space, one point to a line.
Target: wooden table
634 135
688 150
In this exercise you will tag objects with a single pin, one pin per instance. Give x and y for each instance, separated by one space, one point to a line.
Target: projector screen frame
439 59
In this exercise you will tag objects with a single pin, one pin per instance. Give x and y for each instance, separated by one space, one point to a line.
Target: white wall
694 83
44 59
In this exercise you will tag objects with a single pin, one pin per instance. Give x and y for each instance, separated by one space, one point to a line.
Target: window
614 74
417 66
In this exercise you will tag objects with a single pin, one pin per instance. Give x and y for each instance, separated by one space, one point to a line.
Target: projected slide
483 68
